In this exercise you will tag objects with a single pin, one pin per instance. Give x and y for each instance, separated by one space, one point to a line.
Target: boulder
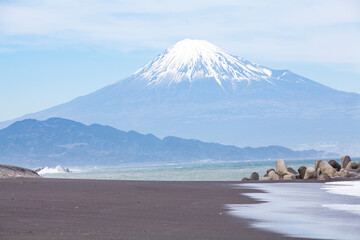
310 173
273 175
269 170
289 177
254 176
292 171
323 177
346 174
245 179
266 178
335 165
317 164
345 161
326 168
318 172
342 173
353 173
281 167
301 171
352 165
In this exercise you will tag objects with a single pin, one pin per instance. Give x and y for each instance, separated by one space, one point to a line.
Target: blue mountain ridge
33 143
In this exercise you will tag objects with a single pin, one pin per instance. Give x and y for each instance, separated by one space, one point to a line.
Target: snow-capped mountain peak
190 60
196 90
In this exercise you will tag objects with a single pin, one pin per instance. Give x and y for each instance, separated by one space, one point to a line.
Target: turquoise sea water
196 171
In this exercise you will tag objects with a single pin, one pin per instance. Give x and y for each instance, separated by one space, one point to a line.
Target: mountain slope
56 141
196 90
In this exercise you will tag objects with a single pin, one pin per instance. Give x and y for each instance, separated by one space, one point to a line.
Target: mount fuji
196 90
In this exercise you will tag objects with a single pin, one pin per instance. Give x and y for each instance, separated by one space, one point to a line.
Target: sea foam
304 210
57 169
349 188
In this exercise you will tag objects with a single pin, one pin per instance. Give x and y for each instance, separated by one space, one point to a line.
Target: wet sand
99 209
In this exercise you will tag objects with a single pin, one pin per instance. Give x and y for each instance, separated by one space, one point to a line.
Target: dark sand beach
98 209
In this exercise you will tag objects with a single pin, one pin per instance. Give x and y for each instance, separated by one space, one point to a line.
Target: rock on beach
292 171
327 169
335 165
254 176
301 171
273 175
317 163
310 173
323 177
289 177
352 165
345 161
281 167
322 170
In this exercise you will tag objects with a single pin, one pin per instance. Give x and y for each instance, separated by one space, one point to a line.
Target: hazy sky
53 51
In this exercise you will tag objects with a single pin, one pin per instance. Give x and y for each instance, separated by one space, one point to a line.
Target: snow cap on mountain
190 60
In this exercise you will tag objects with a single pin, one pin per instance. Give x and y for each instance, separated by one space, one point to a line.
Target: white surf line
305 210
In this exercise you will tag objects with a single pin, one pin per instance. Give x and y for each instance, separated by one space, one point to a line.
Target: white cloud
304 30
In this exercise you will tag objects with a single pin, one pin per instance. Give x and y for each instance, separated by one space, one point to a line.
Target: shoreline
301 209
49 208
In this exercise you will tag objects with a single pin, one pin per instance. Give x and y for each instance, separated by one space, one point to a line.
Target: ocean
305 210
205 170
